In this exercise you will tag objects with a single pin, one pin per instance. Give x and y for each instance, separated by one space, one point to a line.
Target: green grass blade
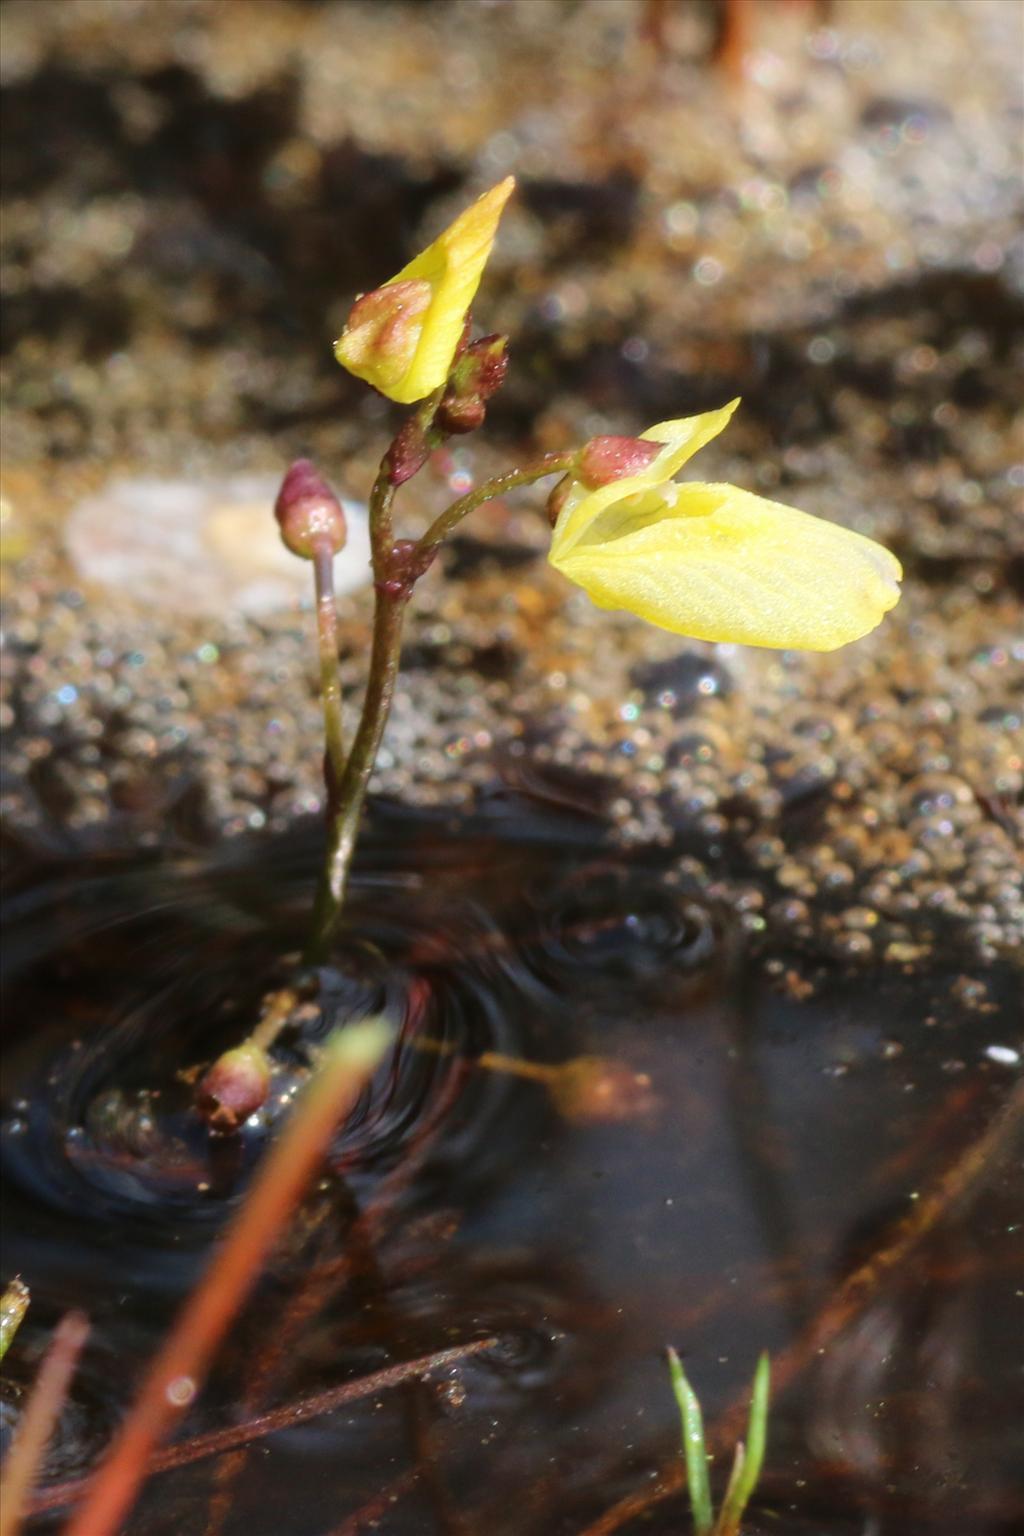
739 1457
693 1447
13 1306
750 1458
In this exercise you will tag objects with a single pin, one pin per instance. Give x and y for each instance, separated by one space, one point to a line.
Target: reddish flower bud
457 416
605 459
482 368
234 1087
308 512
382 334
409 452
478 374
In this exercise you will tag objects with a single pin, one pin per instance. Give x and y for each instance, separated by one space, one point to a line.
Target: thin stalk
382 536
330 673
344 829
279 1010
22 1463
441 527
394 581
180 1366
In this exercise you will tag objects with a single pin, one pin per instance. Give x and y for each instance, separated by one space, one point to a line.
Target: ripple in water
465 1198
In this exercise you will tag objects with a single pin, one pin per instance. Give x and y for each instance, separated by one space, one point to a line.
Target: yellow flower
714 562
401 338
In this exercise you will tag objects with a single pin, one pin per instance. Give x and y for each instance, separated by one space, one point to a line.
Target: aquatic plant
747 1460
710 561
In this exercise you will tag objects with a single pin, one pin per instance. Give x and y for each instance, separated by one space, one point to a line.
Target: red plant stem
330 676
42 1411
394 581
489 490
846 1303
220 1440
178 1370
344 829
382 534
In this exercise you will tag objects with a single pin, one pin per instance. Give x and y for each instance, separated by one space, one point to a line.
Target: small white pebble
1004 1054
202 547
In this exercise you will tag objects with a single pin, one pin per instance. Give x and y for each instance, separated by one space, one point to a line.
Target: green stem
382 536
441 527
344 828
330 675
395 574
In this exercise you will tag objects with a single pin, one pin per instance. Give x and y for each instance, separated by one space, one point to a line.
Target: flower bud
457 416
404 337
308 512
409 452
482 368
383 331
478 374
605 459
234 1087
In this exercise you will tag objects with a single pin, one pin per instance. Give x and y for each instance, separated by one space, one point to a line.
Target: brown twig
21 1466
847 1302
181 1364
220 1440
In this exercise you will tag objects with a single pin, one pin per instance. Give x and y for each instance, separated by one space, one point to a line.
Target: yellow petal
682 439
452 265
717 563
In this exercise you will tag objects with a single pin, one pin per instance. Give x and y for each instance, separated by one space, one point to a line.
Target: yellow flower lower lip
722 564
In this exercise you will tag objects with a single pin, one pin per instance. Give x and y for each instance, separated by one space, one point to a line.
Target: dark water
764 1128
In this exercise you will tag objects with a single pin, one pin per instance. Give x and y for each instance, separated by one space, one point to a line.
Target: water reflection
773 1128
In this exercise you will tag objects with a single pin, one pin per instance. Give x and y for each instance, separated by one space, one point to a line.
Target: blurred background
811 203
811 898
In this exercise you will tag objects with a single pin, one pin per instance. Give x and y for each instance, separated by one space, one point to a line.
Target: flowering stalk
397 566
330 672
710 561
441 527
